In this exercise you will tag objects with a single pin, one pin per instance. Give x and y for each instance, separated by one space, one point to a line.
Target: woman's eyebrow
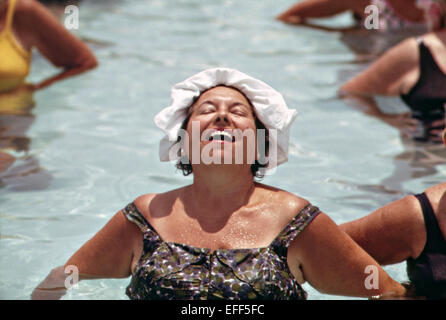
237 103
206 102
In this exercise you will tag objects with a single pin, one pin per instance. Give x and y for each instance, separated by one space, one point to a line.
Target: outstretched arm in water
109 254
333 263
308 9
396 231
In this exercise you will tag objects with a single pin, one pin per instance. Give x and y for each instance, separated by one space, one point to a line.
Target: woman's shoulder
290 202
26 6
153 203
29 13
436 192
404 51
434 38
437 196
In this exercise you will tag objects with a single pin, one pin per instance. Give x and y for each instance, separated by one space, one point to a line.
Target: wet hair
257 168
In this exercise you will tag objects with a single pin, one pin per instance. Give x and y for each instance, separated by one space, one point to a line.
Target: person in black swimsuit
428 270
427 98
411 229
415 69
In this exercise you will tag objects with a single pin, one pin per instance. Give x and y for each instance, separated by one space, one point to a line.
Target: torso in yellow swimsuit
14 60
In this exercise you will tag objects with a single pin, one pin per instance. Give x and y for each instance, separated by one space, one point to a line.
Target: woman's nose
222 116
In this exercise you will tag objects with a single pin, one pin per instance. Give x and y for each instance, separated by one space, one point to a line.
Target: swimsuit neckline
210 251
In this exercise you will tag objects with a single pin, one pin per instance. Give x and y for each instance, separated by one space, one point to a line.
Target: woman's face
216 121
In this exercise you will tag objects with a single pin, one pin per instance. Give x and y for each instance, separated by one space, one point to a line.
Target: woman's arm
108 254
392 233
334 264
396 231
301 11
394 73
56 43
326 28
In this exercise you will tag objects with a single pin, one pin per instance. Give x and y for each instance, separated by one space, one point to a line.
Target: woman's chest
239 231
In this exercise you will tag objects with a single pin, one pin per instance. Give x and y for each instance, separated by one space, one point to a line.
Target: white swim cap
269 107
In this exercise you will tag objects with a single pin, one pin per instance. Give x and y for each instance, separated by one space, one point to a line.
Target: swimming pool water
94 146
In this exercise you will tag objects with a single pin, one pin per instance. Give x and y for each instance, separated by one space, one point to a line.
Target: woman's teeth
221 135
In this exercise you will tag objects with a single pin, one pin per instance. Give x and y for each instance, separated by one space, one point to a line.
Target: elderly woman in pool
412 229
415 70
225 236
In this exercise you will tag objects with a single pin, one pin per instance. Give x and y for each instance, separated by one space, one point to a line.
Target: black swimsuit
428 271
428 96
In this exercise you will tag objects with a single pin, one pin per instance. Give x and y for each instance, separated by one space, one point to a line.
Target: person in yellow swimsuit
25 24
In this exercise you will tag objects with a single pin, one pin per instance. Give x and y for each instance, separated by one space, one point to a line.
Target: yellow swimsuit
14 60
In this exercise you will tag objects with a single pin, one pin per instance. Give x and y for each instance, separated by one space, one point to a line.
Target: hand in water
435 130
293 20
404 122
30 87
53 287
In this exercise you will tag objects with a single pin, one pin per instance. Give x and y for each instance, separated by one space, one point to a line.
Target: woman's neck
221 188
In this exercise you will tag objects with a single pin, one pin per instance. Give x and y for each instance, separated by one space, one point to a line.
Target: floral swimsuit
169 270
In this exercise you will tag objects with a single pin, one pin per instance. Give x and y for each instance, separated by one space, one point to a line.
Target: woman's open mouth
221 136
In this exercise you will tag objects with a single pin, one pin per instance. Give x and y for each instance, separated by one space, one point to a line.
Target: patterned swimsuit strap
296 225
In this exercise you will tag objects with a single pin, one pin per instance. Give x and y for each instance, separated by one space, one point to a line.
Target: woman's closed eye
207 108
240 111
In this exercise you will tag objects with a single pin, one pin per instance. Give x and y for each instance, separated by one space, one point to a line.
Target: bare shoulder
432 39
404 214
437 197
29 13
388 75
26 5
30 9
288 203
409 44
436 191
404 56
144 200
156 205
405 52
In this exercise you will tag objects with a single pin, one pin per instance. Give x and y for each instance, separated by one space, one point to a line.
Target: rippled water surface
93 144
